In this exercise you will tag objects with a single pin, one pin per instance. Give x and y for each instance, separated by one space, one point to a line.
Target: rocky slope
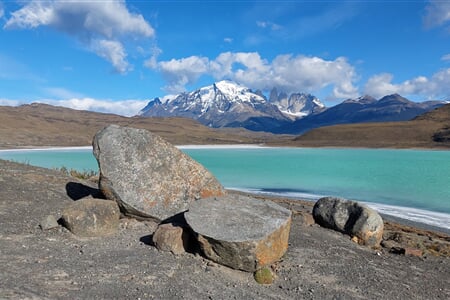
319 263
296 105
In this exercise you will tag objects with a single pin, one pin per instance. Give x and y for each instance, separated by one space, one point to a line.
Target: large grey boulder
364 224
91 217
240 232
146 175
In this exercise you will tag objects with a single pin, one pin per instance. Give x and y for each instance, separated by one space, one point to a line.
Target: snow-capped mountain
296 105
222 104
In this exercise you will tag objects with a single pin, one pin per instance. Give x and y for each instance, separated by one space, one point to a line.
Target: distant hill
366 109
430 130
46 125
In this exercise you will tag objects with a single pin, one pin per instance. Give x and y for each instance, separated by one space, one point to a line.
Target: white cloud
9 102
269 25
127 108
228 40
446 57
437 13
112 51
287 72
124 107
435 87
180 72
102 26
152 61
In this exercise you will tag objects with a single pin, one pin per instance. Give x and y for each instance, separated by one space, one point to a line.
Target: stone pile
146 177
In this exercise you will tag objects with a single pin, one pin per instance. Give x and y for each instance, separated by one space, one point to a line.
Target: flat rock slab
148 176
240 232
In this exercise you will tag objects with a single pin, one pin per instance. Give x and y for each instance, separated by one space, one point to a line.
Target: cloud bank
435 87
287 72
126 108
102 26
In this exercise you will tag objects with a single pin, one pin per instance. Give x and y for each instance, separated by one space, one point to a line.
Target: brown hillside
46 125
431 130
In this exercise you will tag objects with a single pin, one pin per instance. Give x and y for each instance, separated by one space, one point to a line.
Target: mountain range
228 104
35 124
366 109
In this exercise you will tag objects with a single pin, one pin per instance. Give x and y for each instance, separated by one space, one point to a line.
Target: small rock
351 218
147 176
263 276
413 252
306 218
397 250
48 223
169 237
90 217
389 244
240 232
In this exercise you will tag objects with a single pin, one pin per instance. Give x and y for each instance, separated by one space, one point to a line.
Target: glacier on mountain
228 104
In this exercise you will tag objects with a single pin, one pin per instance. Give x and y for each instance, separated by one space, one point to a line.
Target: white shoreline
408 214
225 146
427 217
182 147
47 149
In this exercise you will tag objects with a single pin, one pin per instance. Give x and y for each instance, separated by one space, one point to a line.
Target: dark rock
147 176
91 217
351 218
240 232
397 250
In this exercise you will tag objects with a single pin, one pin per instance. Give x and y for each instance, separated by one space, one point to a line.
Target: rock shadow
77 191
147 240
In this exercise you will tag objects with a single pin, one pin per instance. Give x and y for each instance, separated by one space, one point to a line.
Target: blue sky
113 56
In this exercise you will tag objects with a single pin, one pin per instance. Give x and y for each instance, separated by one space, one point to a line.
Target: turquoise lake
407 183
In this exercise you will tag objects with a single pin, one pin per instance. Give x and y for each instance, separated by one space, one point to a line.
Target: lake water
413 184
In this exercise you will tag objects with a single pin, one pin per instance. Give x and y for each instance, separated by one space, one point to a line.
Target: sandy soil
319 264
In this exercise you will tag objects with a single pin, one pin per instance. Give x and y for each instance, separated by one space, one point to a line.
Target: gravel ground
54 264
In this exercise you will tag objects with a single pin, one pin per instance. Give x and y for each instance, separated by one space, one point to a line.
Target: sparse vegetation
84 175
264 276
45 125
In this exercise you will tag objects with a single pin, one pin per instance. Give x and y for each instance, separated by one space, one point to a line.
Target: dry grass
417 133
45 125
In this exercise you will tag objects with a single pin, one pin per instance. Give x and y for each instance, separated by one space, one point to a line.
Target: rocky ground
319 263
